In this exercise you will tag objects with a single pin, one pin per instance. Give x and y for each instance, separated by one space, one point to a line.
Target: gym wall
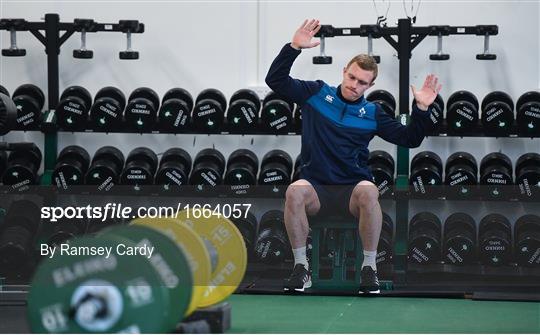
230 45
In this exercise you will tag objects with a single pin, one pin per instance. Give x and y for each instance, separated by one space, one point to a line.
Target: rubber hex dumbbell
73 108
208 168
495 240
496 175
22 168
276 169
174 168
242 168
107 111
105 169
276 114
175 113
141 110
140 168
4 90
497 113
17 238
384 99
527 240
385 247
528 114
209 112
272 245
426 175
71 166
462 112
461 174
459 239
425 238
382 167
248 227
243 112
29 100
435 113
528 176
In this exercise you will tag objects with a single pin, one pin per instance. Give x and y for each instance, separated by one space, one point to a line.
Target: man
337 125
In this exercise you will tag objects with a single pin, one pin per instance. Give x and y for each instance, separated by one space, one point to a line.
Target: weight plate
194 250
168 260
227 241
95 293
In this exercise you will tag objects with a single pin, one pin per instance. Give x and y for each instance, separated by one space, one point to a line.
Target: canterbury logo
329 98
361 112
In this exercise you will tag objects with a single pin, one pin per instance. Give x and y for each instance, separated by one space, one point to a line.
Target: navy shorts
334 199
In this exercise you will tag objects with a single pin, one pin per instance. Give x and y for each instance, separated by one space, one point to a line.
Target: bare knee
365 197
300 196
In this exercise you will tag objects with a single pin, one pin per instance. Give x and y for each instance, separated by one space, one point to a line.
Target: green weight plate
169 262
88 292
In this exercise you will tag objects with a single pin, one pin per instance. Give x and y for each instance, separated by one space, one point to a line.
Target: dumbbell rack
408 37
52 40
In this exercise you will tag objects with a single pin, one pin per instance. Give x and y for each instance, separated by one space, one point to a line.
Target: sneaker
299 280
370 282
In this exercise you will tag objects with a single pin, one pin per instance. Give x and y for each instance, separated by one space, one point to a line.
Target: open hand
303 35
427 94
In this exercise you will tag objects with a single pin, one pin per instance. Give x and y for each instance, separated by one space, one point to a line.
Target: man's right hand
303 35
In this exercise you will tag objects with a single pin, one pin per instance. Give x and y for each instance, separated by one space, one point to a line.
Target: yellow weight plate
228 243
194 249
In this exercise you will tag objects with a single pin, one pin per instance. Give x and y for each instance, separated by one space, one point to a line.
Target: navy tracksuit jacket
336 132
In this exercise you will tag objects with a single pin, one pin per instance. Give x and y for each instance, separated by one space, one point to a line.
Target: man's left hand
425 97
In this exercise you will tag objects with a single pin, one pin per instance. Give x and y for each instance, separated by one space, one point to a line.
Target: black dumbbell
276 114
243 112
461 174
140 168
29 100
528 114
73 108
22 167
108 109
298 120
497 113
71 166
175 113
247 225
174 168
459 239
461 112
129 27
495 240
105 169
385 247
141 110
272 245
4 90
384 99
209 112
208 168
17 236
528 175
276 168
424 238
527 240
8 114
242 168
382 167
426 175
435 113
496 175
64 229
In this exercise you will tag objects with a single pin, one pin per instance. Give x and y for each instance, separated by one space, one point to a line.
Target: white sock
300 257
370 259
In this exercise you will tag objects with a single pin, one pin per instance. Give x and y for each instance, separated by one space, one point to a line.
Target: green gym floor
332 314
